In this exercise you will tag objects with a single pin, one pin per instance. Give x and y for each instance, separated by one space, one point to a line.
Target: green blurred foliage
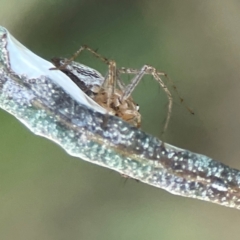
46 194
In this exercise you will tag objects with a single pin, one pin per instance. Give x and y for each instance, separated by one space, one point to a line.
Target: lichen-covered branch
51 105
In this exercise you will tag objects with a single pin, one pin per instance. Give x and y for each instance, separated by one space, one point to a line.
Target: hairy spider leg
110 80
146 69
136 71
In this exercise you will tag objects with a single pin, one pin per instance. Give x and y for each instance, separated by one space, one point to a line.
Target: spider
110 92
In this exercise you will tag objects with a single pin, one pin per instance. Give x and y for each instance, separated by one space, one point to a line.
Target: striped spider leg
146 69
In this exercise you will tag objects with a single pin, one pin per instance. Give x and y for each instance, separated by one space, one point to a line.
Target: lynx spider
115 97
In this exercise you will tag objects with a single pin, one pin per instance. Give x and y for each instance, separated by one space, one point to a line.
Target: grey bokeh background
46 194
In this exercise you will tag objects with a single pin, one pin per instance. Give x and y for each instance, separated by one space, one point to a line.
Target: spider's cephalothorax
127 109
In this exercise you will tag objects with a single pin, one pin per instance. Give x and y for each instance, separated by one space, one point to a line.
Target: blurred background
46 194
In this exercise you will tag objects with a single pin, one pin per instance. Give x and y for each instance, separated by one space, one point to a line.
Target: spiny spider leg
146 69
120 83
176 90
77 53
110 80
136 71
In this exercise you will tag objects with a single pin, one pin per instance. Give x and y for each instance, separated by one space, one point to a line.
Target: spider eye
137 107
